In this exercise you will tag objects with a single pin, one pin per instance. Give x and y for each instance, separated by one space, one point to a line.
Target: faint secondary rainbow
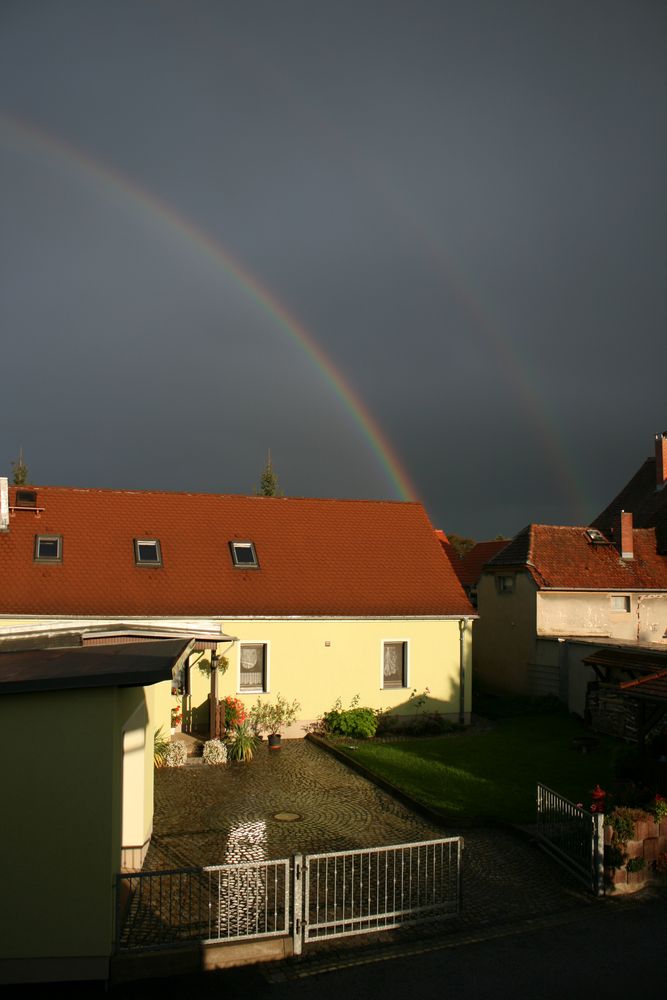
27 136
514 366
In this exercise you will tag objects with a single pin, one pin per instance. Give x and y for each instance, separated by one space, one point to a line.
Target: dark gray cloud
463 203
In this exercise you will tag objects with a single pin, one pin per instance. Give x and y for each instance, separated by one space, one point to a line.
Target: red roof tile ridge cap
234 496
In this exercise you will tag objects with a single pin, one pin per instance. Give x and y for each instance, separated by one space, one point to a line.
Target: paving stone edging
438 819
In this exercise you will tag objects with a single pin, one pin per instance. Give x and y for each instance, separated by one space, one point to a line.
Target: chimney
623 535
4 503
660 460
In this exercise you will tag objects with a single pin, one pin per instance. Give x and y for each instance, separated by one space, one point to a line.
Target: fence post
598 853
297 906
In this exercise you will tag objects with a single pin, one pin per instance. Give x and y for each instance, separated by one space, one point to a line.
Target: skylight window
596 537
48 548
244 555
147 552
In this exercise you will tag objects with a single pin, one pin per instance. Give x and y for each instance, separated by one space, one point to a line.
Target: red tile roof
317 557
564 558
469 567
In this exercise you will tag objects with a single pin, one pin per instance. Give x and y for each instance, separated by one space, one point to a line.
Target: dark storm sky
463 204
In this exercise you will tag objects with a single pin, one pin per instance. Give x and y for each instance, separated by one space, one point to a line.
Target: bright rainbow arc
28 135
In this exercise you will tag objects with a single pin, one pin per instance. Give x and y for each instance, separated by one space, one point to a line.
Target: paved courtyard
300 799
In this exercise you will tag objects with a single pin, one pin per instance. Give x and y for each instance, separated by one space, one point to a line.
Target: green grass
493 775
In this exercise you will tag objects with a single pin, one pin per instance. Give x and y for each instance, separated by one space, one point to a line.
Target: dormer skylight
596 537
244 555
147 552
26 498
48 548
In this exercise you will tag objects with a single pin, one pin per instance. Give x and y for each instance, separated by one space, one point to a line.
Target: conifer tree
20 471
268 482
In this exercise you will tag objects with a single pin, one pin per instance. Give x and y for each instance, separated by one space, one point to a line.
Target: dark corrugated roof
129 665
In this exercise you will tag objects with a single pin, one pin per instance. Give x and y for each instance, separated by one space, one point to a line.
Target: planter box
651 848
637 879
634 848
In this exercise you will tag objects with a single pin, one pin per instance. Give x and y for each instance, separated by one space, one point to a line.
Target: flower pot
275 741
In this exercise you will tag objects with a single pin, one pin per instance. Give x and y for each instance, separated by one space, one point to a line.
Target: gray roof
71 668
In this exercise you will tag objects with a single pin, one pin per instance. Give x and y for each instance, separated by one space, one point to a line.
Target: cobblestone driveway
219 815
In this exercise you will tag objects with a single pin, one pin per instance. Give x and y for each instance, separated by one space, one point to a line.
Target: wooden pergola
638 680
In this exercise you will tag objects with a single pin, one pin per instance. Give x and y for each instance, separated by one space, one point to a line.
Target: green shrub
356 723
241 742
160 747
622 822
636 864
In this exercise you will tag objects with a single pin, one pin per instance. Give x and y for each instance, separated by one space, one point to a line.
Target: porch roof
128 665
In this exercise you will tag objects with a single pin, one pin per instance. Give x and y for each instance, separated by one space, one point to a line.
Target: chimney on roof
4 503
623 535
660 459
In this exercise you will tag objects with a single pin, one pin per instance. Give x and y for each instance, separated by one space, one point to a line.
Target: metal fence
573 836
217 903
319 896
356 892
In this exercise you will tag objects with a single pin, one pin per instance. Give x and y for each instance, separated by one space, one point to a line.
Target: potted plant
176 719
241 742
279 715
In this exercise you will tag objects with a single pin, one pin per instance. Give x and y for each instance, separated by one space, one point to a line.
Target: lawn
492 775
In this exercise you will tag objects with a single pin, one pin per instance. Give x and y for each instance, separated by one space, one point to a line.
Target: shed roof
70 668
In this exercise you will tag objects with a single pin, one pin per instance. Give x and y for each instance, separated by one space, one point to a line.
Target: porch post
213 701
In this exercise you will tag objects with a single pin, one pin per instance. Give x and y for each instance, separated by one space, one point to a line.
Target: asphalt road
614 949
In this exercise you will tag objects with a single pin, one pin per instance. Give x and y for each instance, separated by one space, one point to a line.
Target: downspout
463 625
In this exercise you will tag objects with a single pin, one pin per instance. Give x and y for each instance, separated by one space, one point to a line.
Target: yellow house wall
505 635
318 661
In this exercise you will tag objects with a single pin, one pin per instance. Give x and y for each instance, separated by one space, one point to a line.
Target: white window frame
406 664
267 662
244 545
627 604
150 563
58 558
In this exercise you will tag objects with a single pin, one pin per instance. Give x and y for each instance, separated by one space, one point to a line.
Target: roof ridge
208 493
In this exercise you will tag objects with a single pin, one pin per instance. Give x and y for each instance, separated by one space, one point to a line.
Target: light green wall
61 850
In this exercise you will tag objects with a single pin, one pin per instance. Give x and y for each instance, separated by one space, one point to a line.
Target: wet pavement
301 800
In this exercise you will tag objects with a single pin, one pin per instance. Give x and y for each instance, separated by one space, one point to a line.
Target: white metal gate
358 892
312 897
573 836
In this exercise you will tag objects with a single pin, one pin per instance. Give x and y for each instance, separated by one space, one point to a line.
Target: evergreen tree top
268 481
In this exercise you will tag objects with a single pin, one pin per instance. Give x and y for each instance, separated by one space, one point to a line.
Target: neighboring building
469 567
645 496
555 594
323 598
